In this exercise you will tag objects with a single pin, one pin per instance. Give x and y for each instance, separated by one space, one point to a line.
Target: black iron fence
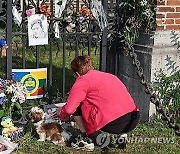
60 50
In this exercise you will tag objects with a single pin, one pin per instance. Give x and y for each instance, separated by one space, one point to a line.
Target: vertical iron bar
77 35
89 38
118 28
23 36
77 44
50 56
117 43
37 56
50 71
89 44
103 45
116 62
77 5
38 9
9 39
0 5
64 68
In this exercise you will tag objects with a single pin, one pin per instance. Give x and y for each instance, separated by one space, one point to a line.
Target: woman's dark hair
81 64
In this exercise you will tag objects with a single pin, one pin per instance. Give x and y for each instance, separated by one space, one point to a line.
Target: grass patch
155 129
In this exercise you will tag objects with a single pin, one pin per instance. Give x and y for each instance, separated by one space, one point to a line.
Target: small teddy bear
9 130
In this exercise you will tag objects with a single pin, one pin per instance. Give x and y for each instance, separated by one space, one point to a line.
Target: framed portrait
37 29
50 109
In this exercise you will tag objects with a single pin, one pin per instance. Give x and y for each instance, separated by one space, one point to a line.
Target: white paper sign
37 29
17 16
58 12
59 8
99 14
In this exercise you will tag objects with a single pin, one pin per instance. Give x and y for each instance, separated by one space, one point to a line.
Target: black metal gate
70 44
6 32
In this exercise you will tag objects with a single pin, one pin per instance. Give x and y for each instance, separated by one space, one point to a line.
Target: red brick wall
168 15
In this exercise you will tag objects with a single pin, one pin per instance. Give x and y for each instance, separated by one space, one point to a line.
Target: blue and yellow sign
31 82
35 81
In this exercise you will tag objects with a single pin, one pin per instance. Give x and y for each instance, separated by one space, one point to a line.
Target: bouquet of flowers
81 18
12 95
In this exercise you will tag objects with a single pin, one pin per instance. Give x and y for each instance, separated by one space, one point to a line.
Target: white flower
147 13
14 99
19 92
2 95
143 3
22 100
9 89
70 27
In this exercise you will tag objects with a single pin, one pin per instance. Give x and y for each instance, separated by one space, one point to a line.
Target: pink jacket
104 98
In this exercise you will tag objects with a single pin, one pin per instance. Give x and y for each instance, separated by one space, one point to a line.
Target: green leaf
30 7
1 113
59 3
128 29
18 107
4 105
10 109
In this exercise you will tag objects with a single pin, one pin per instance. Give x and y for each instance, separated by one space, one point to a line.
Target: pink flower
139 26
28 12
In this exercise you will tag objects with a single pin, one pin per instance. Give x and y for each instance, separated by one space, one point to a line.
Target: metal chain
166 116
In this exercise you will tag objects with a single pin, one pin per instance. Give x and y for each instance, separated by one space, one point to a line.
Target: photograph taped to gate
37 30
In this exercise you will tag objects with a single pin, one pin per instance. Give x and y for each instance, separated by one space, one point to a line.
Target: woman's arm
76 96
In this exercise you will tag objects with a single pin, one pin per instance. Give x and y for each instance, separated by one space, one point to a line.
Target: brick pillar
168 15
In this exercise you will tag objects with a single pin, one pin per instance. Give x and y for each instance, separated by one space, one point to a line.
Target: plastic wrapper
6 146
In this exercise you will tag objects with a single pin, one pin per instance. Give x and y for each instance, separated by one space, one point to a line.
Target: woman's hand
57 113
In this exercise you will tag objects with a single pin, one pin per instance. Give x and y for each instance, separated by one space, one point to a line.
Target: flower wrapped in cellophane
12 95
